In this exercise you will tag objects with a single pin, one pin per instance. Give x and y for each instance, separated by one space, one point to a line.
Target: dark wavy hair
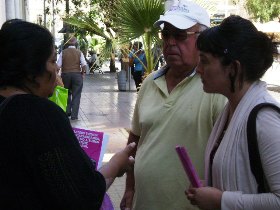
24 50
237 38
138 44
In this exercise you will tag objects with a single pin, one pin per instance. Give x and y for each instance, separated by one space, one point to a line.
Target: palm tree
88 24
135 20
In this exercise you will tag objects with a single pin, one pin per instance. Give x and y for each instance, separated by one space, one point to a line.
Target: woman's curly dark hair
24 50
237 38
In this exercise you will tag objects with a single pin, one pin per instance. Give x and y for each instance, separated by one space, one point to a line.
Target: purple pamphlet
188 166
94 143
107 203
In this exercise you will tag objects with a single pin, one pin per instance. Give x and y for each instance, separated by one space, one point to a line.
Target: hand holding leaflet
188 166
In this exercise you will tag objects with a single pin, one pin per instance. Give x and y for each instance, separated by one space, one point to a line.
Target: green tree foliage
123 20
135 19
263 10
78 4
91 27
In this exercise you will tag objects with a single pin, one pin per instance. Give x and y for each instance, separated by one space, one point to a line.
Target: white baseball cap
184 14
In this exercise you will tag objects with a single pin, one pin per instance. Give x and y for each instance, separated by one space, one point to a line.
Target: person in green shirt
171 109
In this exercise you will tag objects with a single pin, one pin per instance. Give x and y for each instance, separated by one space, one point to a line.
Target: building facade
10 9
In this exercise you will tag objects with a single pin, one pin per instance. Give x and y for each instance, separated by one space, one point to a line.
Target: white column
21 9
26 10
53 21
2 12
18 12
10 9
226 9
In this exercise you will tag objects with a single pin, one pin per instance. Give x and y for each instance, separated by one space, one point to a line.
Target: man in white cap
172 109
73 65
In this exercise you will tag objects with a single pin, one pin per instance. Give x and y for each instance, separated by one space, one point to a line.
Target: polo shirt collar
160 72
163 71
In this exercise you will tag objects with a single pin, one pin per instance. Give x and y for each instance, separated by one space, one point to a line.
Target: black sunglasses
180 35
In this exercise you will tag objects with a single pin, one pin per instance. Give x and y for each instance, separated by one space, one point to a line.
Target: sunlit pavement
105 108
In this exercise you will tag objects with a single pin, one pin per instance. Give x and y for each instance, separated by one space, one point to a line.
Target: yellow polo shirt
162 120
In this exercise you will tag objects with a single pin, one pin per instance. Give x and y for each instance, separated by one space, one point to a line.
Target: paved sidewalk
105 108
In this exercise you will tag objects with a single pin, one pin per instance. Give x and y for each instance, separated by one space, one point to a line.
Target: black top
42 165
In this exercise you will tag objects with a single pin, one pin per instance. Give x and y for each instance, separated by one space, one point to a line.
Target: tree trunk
65 25
45 15
149 55
112 63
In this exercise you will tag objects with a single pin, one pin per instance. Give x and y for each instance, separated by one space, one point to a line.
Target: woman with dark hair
137 60
42 164
233 58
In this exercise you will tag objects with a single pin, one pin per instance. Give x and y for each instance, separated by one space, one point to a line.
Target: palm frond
136 19
88 24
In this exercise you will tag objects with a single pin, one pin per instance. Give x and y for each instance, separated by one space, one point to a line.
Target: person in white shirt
73 65
233 58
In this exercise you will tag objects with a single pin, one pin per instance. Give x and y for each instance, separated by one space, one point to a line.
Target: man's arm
84 69
129 187
130 175
59 61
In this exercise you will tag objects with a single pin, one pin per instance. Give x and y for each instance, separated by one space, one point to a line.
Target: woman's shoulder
34 111
27 103
27 98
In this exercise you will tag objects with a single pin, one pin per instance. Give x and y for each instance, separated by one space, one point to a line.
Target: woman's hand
123 159
206 198
120 163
